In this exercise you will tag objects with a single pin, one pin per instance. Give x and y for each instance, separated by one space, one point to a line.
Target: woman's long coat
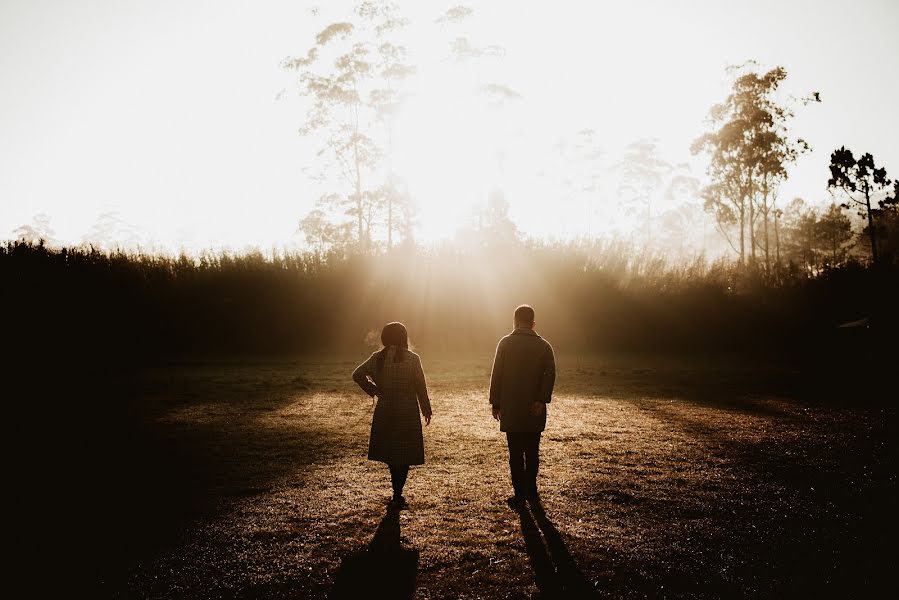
396 437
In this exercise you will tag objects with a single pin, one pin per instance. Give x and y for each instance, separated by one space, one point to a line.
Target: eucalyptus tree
392 67
643 172
322 235
574 165
350 77
39 231
749 150
109 231
682 221
475 65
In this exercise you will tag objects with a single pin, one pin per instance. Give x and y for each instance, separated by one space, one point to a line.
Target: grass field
659 479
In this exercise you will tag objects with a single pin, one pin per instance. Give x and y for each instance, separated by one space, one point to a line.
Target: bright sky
166 111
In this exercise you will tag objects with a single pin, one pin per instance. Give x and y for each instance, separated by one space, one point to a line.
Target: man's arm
496 377
548 379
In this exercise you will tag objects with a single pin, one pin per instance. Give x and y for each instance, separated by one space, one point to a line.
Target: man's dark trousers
524 461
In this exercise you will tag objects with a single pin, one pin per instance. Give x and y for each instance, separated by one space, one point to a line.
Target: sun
444 147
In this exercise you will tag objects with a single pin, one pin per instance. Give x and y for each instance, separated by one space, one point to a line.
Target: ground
660 478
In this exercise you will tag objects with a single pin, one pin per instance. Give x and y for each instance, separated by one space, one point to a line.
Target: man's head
524 316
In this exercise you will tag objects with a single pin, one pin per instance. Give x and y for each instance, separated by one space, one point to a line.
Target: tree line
592 296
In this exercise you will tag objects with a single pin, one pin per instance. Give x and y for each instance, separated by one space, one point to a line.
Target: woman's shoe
398 502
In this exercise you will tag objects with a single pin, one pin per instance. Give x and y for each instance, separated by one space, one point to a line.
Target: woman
395 376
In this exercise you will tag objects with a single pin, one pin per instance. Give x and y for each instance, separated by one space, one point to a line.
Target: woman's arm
421 390
364 375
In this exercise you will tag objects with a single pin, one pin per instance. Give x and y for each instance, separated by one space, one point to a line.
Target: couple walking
521 385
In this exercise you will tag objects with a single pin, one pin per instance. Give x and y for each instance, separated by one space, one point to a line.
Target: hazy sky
166 111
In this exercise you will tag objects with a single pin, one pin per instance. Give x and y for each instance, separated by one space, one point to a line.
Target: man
521 385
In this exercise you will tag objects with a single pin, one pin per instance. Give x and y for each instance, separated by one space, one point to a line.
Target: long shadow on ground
555 571
385 569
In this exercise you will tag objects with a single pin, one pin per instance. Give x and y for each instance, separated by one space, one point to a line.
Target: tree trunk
751 224
871 224
359 204
777 237
765 215
357 166
811 250
390 218
742 234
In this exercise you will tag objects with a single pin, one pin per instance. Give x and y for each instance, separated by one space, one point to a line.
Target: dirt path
650 489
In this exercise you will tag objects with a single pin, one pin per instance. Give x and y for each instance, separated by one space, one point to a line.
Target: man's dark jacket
524 371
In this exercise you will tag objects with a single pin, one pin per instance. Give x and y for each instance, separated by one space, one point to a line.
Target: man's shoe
515 502
534 503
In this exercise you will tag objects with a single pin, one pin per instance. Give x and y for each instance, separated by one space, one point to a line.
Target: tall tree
498 227
643 172
352 96
574 166
391 66
491 228
38 231
887 219
749 150
862 181
473 62
683 222
834 233
322 235
801 235
109 231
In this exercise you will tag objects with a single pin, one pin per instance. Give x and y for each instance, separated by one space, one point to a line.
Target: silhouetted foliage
591 296
862 182
813 238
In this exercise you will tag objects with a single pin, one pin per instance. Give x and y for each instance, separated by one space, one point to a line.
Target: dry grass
658 479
